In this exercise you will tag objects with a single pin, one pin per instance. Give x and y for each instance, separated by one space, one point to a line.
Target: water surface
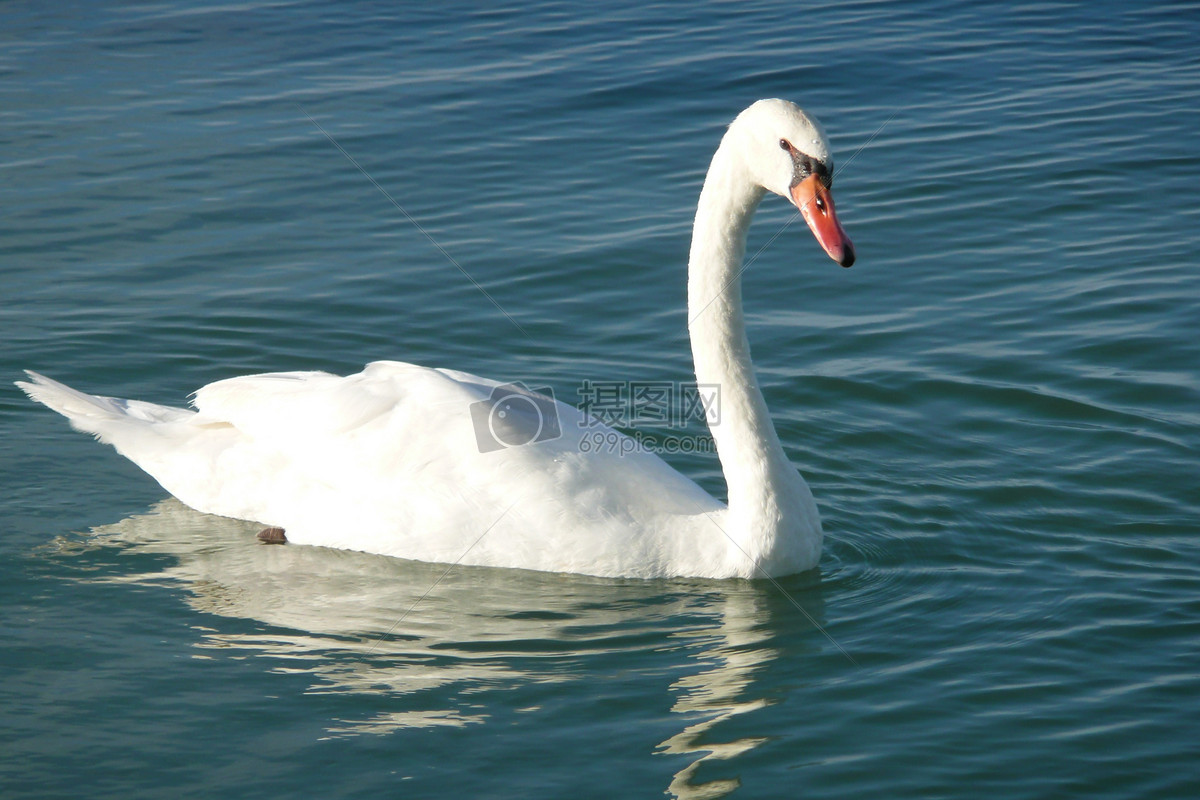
996 408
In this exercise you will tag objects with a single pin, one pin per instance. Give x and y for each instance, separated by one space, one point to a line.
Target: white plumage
389 460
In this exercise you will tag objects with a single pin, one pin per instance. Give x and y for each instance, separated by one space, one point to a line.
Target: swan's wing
282 406
403 420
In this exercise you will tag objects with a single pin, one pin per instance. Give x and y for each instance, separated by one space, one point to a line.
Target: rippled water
996 408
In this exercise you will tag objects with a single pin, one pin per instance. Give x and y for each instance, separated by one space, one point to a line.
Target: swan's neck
772 516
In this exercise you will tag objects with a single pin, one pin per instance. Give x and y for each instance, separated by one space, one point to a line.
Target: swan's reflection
438 636
721 691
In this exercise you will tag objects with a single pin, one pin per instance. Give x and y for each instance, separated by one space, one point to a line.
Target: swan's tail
173 445
109 419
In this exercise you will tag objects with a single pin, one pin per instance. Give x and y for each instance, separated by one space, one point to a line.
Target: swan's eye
784 144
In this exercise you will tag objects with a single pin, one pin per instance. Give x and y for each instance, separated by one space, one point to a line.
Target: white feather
388 460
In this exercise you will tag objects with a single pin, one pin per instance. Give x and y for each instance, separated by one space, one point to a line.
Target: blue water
997 408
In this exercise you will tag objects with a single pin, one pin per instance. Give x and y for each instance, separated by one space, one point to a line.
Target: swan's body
389 460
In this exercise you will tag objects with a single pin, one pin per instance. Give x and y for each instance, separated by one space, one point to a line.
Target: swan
443 466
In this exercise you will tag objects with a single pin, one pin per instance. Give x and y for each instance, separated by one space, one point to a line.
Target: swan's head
787 153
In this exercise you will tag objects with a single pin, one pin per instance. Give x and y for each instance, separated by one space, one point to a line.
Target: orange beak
816 204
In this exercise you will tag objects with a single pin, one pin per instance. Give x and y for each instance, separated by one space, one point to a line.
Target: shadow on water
439 637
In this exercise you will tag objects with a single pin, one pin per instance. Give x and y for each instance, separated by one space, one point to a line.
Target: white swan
389 460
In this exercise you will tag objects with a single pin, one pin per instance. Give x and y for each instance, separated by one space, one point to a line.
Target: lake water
997 408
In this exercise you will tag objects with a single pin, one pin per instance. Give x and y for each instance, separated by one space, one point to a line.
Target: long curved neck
767 496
